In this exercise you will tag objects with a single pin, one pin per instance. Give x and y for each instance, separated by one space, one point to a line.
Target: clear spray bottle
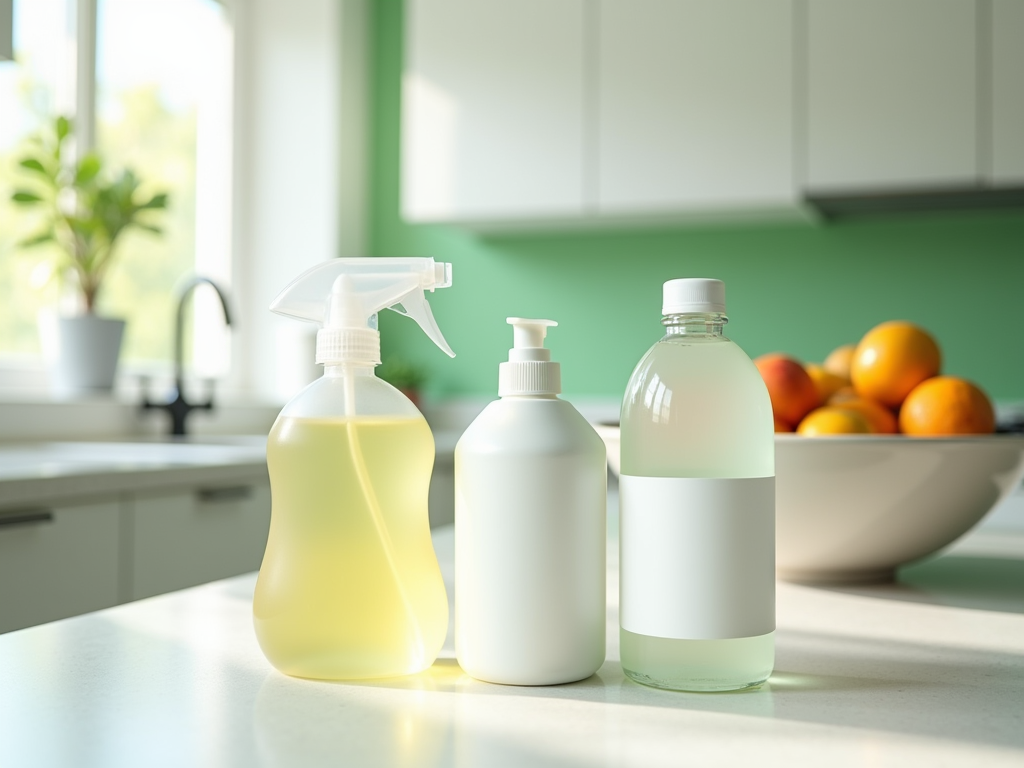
350 586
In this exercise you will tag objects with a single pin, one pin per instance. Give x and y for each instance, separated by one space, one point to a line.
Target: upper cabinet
1007 92
492 110
556 110
694 105
891 93
551 111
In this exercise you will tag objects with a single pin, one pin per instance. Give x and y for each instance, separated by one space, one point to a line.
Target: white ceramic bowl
852 509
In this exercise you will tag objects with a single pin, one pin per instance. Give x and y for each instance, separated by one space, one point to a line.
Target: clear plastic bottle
350 586
697 544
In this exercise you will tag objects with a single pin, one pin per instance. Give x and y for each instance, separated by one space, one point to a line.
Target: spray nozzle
345 295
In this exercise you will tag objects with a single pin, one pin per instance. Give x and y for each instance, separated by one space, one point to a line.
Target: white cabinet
695 105
1007 92
492 109
60 560
179 540
57 561
892 94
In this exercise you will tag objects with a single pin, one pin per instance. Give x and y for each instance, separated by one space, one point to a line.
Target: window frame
26 376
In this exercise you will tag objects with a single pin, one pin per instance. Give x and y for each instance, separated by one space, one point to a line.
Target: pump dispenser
530 486
350 587
529 370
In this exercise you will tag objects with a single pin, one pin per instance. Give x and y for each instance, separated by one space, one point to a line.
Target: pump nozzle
529 334
529 370
344 296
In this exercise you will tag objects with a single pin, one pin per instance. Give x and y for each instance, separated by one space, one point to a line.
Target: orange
842 395
833 420
827 383
892 359
838 361
947 405
790 387
881 420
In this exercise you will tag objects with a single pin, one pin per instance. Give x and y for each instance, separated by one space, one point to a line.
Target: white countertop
54 471
926 672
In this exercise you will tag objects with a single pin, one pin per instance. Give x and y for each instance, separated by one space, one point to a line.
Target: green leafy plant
84 208
401 375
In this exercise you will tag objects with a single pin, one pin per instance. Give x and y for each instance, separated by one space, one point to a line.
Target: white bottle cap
529 370
693 294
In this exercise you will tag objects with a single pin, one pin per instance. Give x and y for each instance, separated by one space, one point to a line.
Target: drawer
57 561
180 540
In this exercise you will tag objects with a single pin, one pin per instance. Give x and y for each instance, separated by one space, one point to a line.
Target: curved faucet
179 408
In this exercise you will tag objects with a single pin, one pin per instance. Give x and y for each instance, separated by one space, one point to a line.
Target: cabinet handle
230 493
26 516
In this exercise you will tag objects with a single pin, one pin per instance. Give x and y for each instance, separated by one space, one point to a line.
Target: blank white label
697 556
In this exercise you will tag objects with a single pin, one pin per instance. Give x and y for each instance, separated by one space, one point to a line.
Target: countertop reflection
927 671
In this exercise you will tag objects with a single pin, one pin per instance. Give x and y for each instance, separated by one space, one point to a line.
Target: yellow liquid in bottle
350 587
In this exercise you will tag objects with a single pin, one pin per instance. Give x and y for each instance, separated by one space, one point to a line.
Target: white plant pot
84 354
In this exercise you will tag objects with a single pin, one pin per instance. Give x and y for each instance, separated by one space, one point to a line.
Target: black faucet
179 407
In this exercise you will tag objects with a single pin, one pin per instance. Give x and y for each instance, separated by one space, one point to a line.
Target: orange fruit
781 426
842 395
838 361
892 359
833 420
881 420
790 387
827 383
947 405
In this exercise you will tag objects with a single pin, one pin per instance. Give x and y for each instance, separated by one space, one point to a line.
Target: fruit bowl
853 508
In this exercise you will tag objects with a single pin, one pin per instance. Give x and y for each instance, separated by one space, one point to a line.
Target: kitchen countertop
55 471
929 671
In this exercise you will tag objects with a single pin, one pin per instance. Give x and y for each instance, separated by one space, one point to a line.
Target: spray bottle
350 586
530 536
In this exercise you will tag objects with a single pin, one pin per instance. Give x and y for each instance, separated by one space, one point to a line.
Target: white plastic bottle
697 506
530 529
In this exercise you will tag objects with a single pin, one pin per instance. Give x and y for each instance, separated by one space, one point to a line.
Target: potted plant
83 211
405 377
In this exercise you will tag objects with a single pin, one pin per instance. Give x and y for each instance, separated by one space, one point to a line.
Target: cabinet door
695 104
57 562
492 113
184 539
1007 37
891 93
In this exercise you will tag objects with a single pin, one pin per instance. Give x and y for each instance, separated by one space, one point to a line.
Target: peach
790 387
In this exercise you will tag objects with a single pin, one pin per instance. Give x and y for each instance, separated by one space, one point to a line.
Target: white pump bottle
530 498
350 586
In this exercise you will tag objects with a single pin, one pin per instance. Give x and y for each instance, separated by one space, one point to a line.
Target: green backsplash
803 289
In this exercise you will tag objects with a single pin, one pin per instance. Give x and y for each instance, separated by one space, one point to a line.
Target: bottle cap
693 294
529 370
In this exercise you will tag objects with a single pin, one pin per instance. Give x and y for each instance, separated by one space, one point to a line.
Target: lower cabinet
57 561
63 560
183 539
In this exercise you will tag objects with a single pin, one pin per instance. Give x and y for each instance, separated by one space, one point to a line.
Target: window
39 84
160 93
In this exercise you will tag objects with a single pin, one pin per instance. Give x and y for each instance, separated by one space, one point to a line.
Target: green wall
803 289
